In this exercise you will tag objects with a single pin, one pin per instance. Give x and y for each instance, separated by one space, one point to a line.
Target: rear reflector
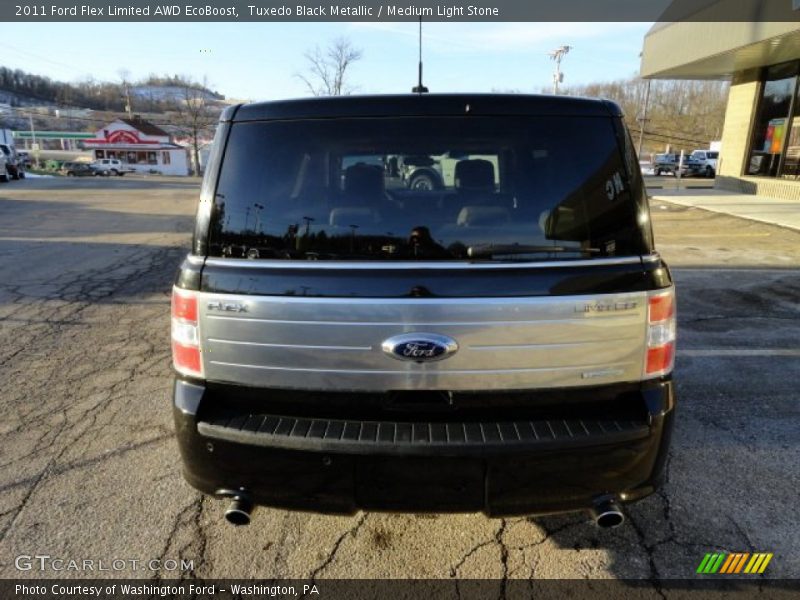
660 360
187 359
661 326
186 356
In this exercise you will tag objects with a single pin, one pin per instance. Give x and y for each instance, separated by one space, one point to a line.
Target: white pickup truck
111 166
708 161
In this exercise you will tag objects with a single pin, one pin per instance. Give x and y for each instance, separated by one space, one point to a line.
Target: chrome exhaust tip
238 513
607 513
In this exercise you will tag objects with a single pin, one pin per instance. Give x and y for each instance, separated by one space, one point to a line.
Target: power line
27 112
666 136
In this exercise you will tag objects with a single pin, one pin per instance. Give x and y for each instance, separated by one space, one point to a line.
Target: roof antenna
419 88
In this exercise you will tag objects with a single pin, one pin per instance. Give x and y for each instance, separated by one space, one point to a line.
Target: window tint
456 188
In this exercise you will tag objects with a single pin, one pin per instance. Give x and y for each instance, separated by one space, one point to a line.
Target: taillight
185 334
661 325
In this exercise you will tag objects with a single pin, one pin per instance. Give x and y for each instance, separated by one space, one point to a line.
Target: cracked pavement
89 468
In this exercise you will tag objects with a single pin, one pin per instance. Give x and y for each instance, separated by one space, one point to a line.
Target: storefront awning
715 50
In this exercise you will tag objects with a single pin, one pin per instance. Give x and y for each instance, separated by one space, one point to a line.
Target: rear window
456 188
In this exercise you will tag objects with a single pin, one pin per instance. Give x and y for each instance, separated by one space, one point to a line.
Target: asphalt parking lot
89 467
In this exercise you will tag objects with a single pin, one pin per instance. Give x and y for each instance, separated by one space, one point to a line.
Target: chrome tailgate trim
334 344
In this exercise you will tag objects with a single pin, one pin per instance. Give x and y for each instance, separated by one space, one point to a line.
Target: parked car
435 172
665 164
111 166
504 343
14 168
24 159
707 160
78 169
4 176
692 168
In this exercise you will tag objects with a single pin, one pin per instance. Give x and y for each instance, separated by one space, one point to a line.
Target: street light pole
557 55
34 148
643 120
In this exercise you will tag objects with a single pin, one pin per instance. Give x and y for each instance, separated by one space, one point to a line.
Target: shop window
151 158
772 126
100 154
166 157
141 157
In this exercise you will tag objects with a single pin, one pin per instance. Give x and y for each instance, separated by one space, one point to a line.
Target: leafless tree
681 114
195 117
327 68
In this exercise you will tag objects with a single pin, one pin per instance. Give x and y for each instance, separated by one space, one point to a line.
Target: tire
70 174
709 172
113 172
121 174
658 172
4 177
423 182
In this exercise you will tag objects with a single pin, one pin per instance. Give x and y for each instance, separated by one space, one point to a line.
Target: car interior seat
363 193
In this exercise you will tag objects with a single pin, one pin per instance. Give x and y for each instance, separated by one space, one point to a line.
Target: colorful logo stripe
737 562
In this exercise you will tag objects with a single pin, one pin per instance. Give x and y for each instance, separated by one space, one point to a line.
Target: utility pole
643 120
128 107
258 209
557 55
34 146
123 74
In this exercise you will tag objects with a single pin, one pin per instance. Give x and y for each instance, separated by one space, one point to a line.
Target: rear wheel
658 172
422 183
113 172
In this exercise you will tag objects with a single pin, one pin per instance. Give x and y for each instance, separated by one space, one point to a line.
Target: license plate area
412 484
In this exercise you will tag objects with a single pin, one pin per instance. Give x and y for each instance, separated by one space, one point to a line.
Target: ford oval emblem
420 347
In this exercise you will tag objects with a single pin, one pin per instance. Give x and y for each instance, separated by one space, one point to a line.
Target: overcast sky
259 61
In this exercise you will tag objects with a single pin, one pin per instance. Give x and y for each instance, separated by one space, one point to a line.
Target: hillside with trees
156 93
682 114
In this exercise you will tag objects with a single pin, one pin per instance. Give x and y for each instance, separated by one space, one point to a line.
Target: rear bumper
500 467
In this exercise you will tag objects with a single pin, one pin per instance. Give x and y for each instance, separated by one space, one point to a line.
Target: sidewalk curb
701 202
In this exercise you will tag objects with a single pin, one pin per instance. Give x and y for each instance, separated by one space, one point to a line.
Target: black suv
502 341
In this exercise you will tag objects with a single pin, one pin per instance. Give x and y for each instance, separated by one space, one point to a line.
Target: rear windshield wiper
486 250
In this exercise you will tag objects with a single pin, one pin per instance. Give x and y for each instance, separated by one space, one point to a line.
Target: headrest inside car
482 216
474 174
364 182
347 216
